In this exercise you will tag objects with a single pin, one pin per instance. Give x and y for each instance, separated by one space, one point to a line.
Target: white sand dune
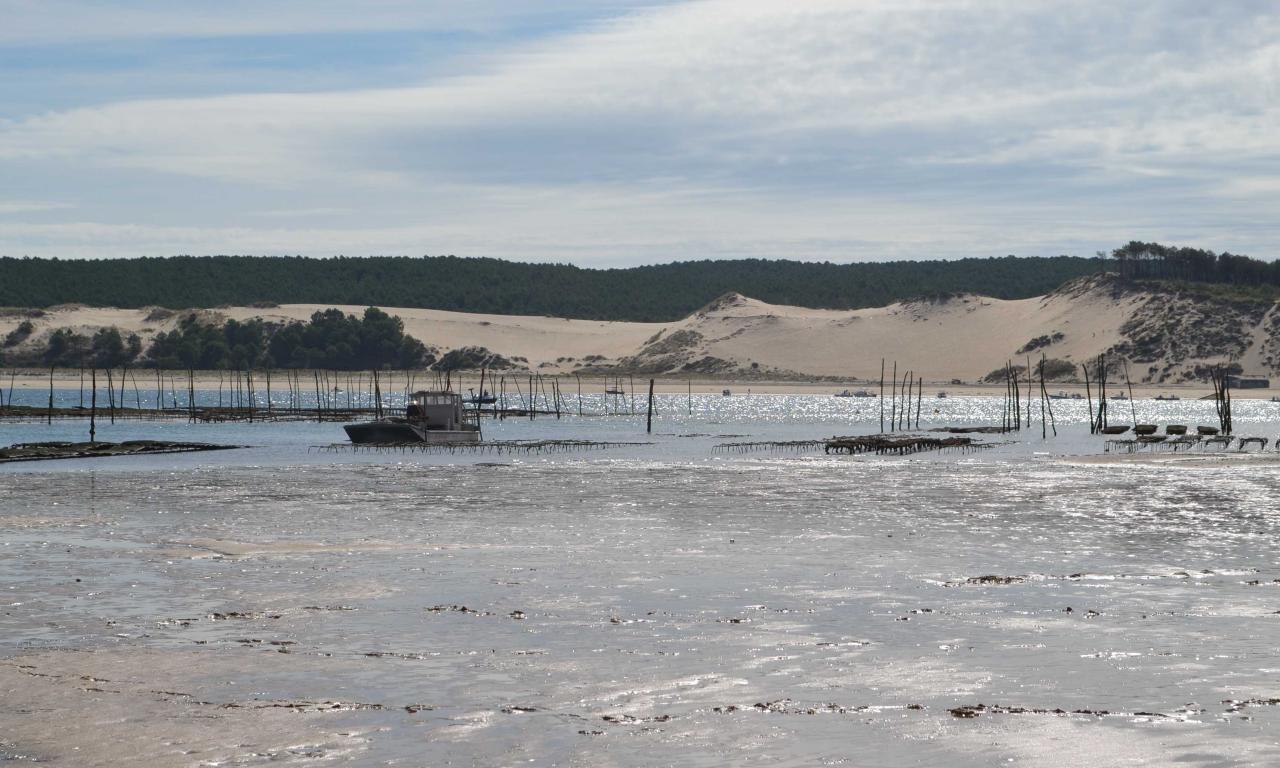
960 337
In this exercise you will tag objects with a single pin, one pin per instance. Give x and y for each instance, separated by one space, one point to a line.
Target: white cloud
30 206
64 21
1048 113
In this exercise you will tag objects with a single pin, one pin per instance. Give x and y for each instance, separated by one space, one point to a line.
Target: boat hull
399 432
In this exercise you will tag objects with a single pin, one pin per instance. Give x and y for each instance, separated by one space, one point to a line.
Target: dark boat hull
400 432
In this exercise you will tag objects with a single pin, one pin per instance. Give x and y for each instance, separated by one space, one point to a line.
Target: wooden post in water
81 389
93 409
137 396
319 402
1029 414
908 384
904 409
111 394
49 415
579 380
1017 394
532 402
919 399
1133 409
690 385
1093 424
648 427
631 380
882 395
1043 427
1102 392
893 402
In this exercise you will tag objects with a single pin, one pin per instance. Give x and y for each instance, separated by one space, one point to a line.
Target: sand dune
959 337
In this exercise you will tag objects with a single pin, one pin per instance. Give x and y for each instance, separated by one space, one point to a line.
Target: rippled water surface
658 604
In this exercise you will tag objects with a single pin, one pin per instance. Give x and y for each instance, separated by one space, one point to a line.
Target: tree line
331 339
1137 260
650 293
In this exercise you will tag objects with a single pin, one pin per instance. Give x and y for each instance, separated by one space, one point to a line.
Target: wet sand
783 611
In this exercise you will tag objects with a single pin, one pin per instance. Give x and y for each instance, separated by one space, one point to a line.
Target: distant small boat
1064 396
484 398
1275 398
859 393
726 393
1120 396
942 395
1172 397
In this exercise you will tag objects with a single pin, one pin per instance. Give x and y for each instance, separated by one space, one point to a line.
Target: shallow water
661 604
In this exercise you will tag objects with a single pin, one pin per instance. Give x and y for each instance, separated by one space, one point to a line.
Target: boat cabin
435 410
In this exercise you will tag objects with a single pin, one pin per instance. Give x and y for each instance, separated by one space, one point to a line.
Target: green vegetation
18 335
653 293
331 339
1153 261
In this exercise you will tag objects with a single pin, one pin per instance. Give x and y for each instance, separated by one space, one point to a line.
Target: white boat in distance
859 393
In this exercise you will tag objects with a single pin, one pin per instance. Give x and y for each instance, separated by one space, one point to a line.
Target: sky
608 133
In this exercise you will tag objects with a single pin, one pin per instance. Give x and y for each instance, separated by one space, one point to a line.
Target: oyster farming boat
430 417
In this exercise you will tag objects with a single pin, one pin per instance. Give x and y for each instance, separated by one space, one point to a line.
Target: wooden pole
882 395
1133 409
137 396
1089 394
893 403
49 415
648 428
93 408
579 380
111 394
919 399
1028 390
1043 428
1045 393
908 387
319 403
1102 392
1017 394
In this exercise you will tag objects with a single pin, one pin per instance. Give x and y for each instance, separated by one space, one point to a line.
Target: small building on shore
1248 381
